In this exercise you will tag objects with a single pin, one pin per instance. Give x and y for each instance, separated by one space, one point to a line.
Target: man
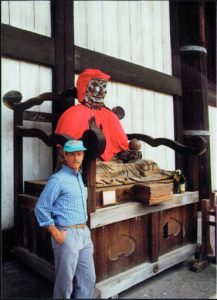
91 91
62 209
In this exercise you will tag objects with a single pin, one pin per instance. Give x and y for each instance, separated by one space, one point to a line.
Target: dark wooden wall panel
25 45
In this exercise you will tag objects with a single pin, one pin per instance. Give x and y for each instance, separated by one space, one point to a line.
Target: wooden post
205 229
18 173
176 71
63 34
91 186
63 71
153 236
193 217
194 89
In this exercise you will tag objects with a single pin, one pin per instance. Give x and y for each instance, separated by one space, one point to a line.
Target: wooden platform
132 241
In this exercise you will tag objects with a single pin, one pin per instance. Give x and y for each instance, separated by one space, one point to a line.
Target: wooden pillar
193 54
63 34
153 236
62 14
18 172
176 71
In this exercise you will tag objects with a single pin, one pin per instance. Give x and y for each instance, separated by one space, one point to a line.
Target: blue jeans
74 265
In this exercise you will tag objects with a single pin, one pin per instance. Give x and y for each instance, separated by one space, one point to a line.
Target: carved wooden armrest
12 99
197 145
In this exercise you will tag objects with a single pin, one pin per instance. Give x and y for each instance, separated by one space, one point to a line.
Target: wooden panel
34 188
166 38
80 17
169 132
213 145
96 31
29 15
10 81
149 122
157 35
35 165
124 100
42 17
5 12
109 23
119 246
17 13
37 156
147 39
123 28
112 97
32 237
120 36
123 194
24 45
172 229
160 119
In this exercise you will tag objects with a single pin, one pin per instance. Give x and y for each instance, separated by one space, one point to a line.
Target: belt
76 226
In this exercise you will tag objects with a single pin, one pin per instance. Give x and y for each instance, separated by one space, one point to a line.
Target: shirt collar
69 170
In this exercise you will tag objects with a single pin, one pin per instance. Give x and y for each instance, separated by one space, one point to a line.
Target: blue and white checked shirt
63 201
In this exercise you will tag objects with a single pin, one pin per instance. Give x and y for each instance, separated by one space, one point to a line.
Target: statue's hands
93 125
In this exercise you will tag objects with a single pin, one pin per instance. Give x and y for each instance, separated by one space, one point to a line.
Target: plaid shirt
63 201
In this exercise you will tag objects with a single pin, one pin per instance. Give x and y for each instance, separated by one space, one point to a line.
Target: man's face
74 159
95 92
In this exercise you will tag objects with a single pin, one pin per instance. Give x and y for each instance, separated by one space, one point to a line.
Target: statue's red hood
85 77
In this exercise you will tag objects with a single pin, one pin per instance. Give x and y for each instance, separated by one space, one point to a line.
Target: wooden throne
132 241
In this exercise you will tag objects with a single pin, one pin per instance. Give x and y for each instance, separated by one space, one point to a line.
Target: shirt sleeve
43 208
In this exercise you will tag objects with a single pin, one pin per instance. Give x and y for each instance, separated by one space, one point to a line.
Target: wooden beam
112 214
25 45
126 72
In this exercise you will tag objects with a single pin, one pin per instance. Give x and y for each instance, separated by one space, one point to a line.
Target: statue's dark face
95 92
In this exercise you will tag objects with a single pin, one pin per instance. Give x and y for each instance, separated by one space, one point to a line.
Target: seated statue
121 162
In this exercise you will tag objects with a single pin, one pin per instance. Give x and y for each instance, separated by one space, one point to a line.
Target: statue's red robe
74 121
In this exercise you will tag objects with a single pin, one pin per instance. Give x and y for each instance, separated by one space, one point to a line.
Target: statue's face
95 92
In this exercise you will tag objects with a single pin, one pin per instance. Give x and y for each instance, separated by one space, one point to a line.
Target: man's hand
58 235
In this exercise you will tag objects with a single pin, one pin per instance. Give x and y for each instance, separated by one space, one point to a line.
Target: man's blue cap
73 146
